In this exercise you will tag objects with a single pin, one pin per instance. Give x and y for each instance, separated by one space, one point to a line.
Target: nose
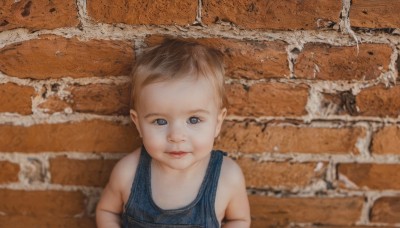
176 133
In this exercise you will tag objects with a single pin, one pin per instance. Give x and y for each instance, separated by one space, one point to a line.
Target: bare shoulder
128 162
231 173
124 172
232 204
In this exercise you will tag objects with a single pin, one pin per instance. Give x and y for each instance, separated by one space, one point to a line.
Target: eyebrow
151 115
199 111
195 111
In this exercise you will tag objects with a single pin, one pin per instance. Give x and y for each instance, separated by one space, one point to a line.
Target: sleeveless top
142 212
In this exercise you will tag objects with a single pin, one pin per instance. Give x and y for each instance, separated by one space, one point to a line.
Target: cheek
204 138
153 139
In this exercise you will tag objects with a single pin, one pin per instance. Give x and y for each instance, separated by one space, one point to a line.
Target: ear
135 119
220 120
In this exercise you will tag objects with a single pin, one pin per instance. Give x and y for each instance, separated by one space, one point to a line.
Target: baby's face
178 121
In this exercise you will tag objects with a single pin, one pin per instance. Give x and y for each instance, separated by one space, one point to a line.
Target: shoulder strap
210 190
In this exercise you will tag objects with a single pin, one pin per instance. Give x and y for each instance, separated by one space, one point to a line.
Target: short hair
175 59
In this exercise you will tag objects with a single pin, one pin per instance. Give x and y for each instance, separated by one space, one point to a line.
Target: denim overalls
141 211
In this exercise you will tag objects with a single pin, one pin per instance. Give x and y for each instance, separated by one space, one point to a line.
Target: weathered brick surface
41 203
87 136
252 59
279 174
280 212
283 15
379 101
326 62
386 210
54 104
256 138
244 137
375 14
9 172
16 99
104 99
340 103
101 98
158 12
55 57
22 221
267 99
91 172
372 176
34 170
386 141
246 59
376 101
301 155
38 14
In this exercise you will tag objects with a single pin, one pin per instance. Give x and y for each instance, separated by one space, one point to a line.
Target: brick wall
312 87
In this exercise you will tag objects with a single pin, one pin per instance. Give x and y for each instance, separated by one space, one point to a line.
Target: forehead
188 92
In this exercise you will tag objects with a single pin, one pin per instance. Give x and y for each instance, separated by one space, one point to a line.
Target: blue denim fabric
141 211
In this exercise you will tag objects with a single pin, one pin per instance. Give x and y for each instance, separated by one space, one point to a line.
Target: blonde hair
176 59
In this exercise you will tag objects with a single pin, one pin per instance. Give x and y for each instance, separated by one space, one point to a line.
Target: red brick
15 98
326 62
86 136
38 14
91 172
379 101
342 103
104 99
243 137
252 59
279 174
54 104
157 12
9 172
246 59
280 212
101 98
386 210
251 137
386 141
41 203
267 99
56 57
374 14
372 176
283 15
22 221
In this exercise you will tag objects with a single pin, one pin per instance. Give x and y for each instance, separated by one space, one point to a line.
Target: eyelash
161 122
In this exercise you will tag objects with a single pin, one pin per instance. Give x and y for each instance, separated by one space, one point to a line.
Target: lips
177 154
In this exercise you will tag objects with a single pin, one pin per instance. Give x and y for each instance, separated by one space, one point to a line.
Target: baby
176 179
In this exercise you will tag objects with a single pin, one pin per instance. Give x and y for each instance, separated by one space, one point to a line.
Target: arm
237 213
110 206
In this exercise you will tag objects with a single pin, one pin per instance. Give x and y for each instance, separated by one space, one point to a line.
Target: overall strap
211 185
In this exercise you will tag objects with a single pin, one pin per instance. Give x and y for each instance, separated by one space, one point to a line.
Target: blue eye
194 120
160 122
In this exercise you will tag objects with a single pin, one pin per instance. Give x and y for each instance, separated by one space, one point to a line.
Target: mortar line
198 13
128 32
